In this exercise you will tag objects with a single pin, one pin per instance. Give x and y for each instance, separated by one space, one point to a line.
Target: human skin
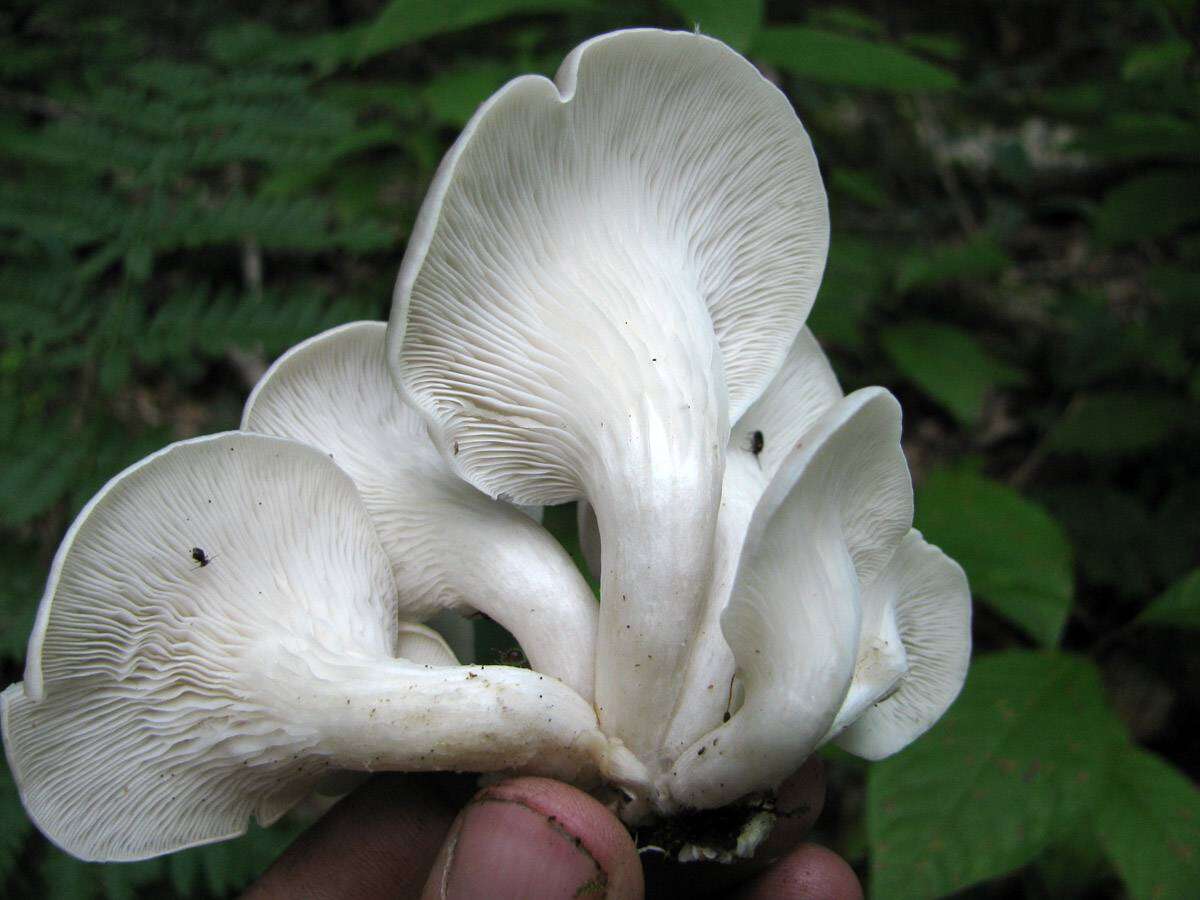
425 836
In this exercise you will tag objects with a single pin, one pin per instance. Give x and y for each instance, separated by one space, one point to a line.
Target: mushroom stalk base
395 715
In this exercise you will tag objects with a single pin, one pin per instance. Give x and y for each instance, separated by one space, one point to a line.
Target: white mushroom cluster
603 301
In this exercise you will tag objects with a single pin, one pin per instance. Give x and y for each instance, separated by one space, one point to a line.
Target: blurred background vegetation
1015 189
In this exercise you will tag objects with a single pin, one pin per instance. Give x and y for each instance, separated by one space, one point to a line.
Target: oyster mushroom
913 651
451 547
164 702
607 270
828 523
421 644
802 390
913 644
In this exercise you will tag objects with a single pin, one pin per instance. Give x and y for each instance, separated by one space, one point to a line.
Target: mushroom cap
218 634
645 234
423 645
925 594
829 522
606 269
141 726
451 546
803 389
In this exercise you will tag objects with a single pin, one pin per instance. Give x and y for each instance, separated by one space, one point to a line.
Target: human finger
809 872
533 837
379 842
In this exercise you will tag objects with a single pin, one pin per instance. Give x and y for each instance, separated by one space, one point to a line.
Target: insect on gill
757 442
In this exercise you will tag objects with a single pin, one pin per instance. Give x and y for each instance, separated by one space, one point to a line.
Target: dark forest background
1015 192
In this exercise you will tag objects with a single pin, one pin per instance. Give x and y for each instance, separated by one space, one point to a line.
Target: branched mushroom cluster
602 300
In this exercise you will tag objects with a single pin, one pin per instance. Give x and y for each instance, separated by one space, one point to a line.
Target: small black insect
756 444
202 558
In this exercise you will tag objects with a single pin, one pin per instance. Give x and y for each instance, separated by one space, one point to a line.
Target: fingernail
504 849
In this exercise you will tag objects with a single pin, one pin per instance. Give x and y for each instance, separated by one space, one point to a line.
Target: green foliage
404 22
1016 556
1113 536
453 96
855 274
1179 605
1116 423
979 258
215 870
949 365
735 23
1152 205
997 781
20 591
14 825
815 54
185 192
1148 821
220 869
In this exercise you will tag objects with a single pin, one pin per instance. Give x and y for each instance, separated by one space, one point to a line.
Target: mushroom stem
657 538
706 693
374 714
881 666
505 565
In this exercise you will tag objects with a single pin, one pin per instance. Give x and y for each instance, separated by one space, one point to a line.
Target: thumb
533 837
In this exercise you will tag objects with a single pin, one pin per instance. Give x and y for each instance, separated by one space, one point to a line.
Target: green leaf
855 278
66 878
1014 765
1112 533
945 46
453 97
978 259
1149 825
1179 605
860 185
1083 101
122 880
1071 866
1116 423
1153 205
38 478
1015 555
1153 62
949 365
230 865
736 22
14 824
840 59
1137 137
560 521
404 22
844 19
22 576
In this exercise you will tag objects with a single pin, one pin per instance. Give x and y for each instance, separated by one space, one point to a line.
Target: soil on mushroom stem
718 830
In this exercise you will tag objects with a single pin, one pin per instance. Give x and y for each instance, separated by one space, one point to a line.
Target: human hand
402 836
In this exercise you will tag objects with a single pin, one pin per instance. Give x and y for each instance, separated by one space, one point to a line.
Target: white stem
881 665
657 538
513 570
707 683
393 715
